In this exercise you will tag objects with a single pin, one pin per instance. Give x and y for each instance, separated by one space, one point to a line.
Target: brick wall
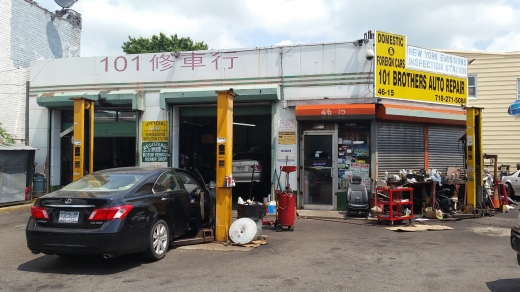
27 33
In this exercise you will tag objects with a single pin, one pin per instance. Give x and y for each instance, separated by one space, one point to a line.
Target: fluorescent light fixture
242 124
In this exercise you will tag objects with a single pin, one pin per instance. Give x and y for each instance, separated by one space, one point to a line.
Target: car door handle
165 199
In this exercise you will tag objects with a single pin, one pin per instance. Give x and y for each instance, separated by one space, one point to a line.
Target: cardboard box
431 213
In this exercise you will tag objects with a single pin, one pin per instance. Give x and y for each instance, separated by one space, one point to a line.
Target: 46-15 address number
330 112
386 92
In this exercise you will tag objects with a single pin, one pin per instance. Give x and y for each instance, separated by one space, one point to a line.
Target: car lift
205 235
83 144
82 137
224 170
224 163
474 164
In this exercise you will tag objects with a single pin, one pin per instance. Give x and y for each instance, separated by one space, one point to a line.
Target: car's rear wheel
159 239
510 191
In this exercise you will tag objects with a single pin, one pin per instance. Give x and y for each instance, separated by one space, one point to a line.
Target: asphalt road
320 255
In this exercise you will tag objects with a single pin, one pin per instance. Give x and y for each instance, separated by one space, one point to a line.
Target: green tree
5 137
161 43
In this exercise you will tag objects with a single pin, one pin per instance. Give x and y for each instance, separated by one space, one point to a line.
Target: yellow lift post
474 160
81 106
224 163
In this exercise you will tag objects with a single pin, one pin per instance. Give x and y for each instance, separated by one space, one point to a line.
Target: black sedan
120 211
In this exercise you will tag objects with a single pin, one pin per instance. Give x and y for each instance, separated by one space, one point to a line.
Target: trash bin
39 183
255 210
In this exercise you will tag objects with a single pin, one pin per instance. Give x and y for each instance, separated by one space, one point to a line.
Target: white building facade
312 106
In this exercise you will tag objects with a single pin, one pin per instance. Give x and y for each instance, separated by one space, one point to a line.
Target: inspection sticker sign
155 141
154 131
395 79
155 152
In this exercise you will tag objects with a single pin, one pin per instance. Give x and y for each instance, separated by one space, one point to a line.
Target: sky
483 25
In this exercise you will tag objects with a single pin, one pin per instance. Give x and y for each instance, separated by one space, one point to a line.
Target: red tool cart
398 206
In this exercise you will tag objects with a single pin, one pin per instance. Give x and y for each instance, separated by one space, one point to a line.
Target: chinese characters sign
166 61
155 141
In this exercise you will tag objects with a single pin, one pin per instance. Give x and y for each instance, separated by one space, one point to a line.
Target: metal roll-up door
399 146
444 147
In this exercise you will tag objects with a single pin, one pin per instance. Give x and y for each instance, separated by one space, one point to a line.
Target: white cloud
435 24
284 43
506 43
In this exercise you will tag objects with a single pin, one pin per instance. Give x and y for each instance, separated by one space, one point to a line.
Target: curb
23 206
336 218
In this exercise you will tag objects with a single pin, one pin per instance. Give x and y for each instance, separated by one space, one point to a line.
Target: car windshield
247 156
106 182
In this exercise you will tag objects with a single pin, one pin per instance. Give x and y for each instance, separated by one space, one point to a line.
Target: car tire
158 241
510 191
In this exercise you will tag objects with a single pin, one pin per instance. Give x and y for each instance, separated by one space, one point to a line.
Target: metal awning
121 98
179 96
336 111
401 112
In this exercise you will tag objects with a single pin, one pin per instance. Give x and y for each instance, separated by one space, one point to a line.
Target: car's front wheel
159 238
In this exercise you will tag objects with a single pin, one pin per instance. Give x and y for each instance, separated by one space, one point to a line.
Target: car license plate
240 167
68 217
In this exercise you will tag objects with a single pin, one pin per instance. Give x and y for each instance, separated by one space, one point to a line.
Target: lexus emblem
68 201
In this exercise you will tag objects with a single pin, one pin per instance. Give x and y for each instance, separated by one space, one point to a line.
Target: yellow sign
286 138
393 80
154 131
390 50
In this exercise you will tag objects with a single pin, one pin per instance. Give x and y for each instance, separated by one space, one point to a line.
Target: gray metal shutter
399 146
444 148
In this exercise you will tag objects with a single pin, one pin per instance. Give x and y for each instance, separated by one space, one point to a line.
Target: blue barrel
39 183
